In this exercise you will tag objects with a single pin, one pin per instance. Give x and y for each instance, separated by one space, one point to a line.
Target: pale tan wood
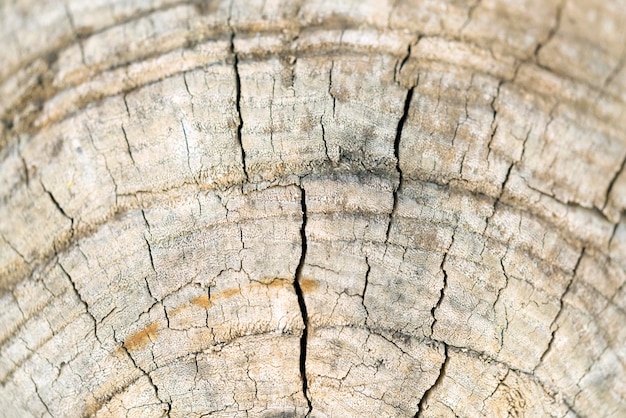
315 208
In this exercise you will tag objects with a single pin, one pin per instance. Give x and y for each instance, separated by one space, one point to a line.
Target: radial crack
396 148
560 312
145 373
182 125
150 254
235 58
301 302
494 124
79 41
470 15
609 189
82 301
367 277
39 396
324 138
429 391
58 206
130 154
330 86
441 294
553 30
6 241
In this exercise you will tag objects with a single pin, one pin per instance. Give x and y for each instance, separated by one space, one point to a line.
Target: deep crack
330 86
238 100
367 277
396 149
429 391
441 294
301 302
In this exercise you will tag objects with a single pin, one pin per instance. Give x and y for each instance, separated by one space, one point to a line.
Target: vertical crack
494 125
188 92
496 201
430 390
470 15
106 163
182 125
400 64
301 302
145 373
500 383
79 41
396 150
506 317
271 109
126 105
128 144
58 206
165 314
506 280
82 301
235 58
560 312
367 278
441 292
443 288
25 166
150 254
143 214
39 396
330 86
609 189
613 235
145 279
324 138
3 238
553 30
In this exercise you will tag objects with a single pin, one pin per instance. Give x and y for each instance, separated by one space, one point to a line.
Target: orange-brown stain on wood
202 301
228 293
140 339
177 310
308 285
278 282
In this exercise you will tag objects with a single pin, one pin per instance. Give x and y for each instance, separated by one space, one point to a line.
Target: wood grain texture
312 208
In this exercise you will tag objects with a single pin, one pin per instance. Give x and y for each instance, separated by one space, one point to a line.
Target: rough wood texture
333 208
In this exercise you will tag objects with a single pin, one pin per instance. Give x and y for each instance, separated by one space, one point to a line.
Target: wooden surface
325 208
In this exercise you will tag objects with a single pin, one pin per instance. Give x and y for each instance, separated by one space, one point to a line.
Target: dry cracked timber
347 208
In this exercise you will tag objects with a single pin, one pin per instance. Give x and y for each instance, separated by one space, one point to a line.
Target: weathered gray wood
324 208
